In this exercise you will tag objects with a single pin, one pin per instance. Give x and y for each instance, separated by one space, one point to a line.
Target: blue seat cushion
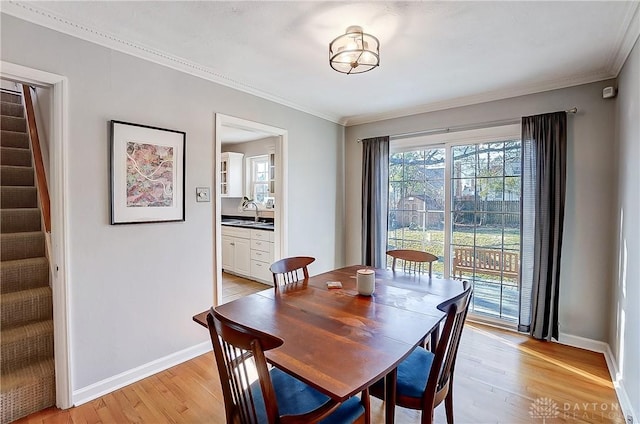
295 397
413 373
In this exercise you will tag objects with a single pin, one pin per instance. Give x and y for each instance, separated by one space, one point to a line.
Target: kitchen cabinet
236 250
231 166
261 255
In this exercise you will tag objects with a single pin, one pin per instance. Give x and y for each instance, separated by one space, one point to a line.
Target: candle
366 281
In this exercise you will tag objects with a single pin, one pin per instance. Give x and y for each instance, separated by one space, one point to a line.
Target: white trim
31 13
605 349
479 98
623 397
281 203
59 218
473 136
629 33
118 381
583 343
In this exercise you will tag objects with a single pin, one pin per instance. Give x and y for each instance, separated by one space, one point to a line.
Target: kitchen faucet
251 202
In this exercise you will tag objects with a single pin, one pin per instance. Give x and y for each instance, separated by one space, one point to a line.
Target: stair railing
41 178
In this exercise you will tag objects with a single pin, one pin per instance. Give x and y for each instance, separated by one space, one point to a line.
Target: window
457 196
258 180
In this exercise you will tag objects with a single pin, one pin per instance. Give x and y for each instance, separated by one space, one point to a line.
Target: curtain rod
462 127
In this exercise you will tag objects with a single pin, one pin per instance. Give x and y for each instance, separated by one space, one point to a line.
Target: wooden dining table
338 341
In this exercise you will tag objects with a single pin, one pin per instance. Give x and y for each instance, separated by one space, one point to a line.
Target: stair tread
29 330
16 166
19 209
21 149
35 371
22 262
11 131
22 294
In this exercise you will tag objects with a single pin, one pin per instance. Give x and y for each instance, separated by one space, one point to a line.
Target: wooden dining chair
288 270
425 379
412 260
255 394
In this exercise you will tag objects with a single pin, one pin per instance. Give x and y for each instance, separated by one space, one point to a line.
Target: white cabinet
231 174
261 255
236 250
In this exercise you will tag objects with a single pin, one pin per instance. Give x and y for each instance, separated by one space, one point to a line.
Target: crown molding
480 98
629 33
28 12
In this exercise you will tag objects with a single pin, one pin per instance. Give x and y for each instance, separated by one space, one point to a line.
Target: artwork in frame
147 174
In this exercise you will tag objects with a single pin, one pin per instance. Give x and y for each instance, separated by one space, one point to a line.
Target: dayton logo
544 408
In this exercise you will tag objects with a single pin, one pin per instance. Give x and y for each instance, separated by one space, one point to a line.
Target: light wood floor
234 287
499 376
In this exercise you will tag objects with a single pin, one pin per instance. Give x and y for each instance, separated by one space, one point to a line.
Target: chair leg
367 406
448 404
427 417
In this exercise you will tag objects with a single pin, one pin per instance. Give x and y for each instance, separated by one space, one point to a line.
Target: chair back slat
239 354
290 270
447 349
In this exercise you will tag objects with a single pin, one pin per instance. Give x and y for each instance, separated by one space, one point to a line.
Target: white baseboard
583 343
118 381
605 349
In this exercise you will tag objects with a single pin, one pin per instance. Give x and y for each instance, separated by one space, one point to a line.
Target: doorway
230 134
58 85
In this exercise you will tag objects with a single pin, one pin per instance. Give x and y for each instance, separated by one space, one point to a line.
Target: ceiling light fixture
354 52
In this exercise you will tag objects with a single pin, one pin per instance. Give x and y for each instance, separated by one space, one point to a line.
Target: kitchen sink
247 223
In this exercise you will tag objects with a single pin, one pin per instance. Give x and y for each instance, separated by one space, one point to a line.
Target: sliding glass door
417 203
485 221
461 201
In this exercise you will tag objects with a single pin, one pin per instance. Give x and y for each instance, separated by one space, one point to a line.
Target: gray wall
625 323
134 288
591 181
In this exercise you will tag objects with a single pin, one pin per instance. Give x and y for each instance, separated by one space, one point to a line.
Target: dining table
341 342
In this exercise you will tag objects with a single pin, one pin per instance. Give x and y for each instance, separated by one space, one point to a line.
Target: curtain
544 156
375 193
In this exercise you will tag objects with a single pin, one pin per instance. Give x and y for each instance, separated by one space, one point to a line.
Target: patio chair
412 260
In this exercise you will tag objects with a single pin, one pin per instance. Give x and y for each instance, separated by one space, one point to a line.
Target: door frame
281 184
58 189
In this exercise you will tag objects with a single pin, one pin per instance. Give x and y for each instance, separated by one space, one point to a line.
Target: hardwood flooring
234 287
501 377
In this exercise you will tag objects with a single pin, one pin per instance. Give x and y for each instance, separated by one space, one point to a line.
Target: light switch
202 194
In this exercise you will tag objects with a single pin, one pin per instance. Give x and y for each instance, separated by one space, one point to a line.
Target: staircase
27 381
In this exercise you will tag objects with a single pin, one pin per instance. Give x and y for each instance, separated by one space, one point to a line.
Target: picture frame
147 173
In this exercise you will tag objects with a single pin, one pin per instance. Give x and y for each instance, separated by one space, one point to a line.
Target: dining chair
425 379
412 260
255 394
287 270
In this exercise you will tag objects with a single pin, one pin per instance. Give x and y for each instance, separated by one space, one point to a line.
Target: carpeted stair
27 380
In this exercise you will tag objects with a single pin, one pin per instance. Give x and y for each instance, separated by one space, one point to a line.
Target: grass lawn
491 296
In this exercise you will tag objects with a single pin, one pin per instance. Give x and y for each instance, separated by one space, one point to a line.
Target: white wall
624 338
134 288
591 181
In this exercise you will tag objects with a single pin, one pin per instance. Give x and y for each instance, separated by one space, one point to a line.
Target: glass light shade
354 52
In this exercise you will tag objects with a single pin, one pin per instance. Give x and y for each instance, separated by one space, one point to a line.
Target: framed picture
147 174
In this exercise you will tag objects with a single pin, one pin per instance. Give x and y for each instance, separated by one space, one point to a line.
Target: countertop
243 222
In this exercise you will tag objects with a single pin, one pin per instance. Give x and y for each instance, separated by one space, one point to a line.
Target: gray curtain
544 157
375 194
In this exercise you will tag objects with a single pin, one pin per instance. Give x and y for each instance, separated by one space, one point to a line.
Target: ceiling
233 135
434 55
